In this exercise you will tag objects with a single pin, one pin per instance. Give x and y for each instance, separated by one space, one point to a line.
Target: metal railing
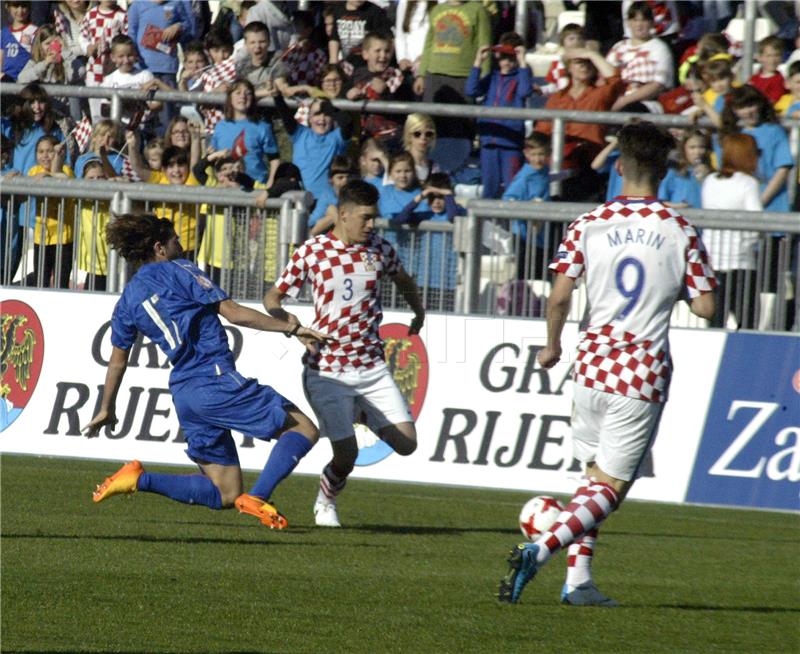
559 118
493 261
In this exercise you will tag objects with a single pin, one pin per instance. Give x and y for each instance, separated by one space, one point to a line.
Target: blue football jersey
174 304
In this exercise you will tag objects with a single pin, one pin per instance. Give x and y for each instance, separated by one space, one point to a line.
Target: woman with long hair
31 119
419 139
748 111
733 253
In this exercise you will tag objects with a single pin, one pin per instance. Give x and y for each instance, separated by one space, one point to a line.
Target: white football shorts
340 398
613 431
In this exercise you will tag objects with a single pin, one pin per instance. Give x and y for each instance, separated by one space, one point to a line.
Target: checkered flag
82 134
220 73
224 71
128 172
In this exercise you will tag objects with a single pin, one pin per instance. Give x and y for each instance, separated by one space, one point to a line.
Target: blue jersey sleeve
196 285
123 329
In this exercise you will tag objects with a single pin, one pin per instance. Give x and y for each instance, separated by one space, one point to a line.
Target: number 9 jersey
639 257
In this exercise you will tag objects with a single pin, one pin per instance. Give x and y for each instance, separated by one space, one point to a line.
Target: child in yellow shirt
49 230
92 246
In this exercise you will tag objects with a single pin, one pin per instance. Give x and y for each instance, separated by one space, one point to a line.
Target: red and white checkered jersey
639 256
25 35
640 64
345 284
100 27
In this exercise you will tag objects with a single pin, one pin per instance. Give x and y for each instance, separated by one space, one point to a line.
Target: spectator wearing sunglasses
419 137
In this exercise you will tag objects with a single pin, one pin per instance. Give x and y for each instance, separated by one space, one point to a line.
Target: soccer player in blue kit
171 302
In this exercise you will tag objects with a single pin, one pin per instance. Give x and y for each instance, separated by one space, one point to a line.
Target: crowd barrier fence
493 261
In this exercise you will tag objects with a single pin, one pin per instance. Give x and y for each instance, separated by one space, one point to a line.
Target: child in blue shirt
532 182
507 86
436 263
372 162
325 212
394 196
314 147
246 136
681 186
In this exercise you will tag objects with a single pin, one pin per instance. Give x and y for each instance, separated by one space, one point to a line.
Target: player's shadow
740 609
141 538
429 531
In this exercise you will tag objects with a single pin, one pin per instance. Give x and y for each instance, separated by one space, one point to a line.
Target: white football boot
325 515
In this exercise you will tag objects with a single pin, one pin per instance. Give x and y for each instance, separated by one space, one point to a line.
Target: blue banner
749 454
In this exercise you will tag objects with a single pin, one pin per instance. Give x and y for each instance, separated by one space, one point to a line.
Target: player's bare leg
402 437
333 480
295 441
227 479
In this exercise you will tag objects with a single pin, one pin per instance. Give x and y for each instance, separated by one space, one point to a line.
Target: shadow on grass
738 609
431 531
188 540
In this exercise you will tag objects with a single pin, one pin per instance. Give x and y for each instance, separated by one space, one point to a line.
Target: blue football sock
290 448
189 489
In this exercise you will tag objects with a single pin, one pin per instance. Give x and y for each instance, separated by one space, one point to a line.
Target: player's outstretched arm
107 414
557 311
704 305
408 288
243 316
273 303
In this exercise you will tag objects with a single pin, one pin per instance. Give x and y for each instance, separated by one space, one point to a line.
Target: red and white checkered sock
330 485
586 510
579 560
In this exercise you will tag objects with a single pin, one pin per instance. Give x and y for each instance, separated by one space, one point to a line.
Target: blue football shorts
210 407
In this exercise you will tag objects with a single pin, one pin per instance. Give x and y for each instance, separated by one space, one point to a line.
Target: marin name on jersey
642 236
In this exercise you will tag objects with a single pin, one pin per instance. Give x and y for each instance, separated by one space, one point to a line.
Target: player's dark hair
644 150
135 235
358 192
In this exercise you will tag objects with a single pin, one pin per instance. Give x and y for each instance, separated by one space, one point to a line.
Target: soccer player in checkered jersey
638 257
171 302
347 378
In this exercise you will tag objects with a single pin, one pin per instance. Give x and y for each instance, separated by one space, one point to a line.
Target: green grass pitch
415 570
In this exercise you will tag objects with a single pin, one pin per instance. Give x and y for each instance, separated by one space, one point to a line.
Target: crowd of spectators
633 57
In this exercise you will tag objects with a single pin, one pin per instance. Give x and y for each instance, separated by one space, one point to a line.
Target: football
538 515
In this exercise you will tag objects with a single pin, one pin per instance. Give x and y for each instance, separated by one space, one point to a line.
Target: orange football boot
262 510
122 481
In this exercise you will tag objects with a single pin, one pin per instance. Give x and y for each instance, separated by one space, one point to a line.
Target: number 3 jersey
639 258
345 283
